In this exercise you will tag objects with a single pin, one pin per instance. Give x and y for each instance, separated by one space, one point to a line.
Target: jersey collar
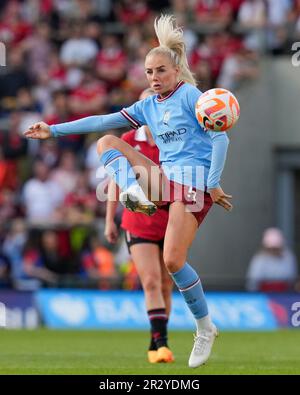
160 99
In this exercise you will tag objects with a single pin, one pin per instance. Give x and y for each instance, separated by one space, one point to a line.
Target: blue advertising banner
17 310
286 309
125 310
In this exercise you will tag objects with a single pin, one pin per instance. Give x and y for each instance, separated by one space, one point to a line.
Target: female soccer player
145 238
191 161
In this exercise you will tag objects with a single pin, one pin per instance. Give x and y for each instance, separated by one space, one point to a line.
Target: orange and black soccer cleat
152 356
164 354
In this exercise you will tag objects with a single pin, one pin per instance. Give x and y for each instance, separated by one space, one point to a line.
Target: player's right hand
111 232
219 197
39 130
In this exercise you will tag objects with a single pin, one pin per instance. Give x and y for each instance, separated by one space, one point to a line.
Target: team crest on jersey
166 117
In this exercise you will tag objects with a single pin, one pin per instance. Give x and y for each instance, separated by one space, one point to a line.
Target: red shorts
197 202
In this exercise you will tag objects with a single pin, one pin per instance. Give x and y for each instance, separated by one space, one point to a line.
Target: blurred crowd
67 59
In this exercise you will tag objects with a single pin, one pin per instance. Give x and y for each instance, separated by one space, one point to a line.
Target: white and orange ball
217 110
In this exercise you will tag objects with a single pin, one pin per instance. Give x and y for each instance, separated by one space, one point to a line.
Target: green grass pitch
102 352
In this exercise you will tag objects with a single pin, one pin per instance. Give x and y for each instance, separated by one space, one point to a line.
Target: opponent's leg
167 285
146 257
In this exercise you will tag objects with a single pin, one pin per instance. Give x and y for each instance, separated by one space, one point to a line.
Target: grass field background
101 352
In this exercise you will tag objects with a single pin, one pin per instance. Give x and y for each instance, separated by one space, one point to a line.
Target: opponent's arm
111 231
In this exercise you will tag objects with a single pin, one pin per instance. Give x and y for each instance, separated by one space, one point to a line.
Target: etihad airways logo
172 135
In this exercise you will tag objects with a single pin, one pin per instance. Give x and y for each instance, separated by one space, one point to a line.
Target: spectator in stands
61 112
25 101
49 153
130 12
13 78
238 68
133 40
83 9
13 26
8 205
136 78
4 271
274 268
252 14
211 52
81 205
189 35
295 15
41 195
104 10
213 14
56 72
124 262
13 147
41 261
13 245
78 50
66 174
278 15
111 61
131 280
252 20
90 97
98 264
38 49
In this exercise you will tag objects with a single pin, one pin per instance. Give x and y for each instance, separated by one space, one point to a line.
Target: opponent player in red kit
145 238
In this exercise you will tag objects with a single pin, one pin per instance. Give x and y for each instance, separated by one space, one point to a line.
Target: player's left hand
218 196
39 130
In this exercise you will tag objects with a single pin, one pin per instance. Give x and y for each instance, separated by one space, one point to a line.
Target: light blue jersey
188 154
181 141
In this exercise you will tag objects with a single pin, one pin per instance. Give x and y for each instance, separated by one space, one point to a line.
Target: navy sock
158 320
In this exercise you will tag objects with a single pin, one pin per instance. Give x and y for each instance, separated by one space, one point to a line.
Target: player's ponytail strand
171 41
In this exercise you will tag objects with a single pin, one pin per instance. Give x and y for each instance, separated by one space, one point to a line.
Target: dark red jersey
141 225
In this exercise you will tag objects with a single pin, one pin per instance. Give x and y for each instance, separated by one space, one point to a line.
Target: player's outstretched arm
94 123
39 130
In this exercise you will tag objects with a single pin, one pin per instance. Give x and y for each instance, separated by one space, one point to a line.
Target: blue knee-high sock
118 168
189 284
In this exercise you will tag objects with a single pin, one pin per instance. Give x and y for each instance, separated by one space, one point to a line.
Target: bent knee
173 262
106 142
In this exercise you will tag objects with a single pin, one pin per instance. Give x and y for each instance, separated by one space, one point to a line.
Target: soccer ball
217 110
